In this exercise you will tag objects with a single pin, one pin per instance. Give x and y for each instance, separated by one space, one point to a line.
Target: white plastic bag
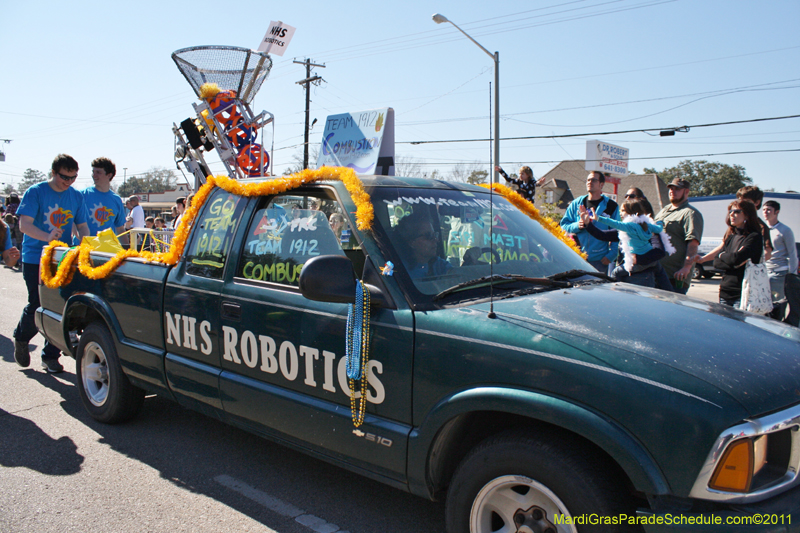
756 294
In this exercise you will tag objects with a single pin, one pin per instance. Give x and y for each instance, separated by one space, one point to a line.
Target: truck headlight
753 461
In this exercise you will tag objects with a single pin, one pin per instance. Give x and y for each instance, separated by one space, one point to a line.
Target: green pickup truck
500 370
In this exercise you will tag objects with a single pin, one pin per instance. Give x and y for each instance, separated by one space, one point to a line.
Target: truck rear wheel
525 481
105 390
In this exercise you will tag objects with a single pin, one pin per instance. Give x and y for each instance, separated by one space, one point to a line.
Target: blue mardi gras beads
355 330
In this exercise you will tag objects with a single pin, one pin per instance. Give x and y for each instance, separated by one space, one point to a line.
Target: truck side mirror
330 278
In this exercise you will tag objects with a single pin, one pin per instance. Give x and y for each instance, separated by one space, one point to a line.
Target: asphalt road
169 470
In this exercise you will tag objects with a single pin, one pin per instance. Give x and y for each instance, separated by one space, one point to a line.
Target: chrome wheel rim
518 504
94 373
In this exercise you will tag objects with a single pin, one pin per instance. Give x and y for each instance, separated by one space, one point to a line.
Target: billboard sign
608 158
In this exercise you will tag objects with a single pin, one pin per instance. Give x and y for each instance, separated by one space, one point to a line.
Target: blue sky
96 79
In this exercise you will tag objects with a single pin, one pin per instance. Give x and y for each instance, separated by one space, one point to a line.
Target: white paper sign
277 39
362 140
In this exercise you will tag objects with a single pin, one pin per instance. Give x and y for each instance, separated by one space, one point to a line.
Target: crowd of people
667 263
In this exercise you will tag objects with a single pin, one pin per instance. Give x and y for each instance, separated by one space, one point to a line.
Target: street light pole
438 19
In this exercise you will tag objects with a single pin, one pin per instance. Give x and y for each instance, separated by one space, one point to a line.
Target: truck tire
520 481
105 390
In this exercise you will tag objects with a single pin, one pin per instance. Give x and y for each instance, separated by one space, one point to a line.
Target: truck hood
755 360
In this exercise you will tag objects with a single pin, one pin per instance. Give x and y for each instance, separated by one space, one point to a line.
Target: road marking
314 523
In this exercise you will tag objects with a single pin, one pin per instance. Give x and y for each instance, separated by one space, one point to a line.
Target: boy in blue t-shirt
103 205
47 212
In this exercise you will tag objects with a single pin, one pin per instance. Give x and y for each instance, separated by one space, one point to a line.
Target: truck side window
213 234
290 230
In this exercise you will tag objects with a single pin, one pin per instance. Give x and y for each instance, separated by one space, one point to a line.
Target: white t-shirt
137 214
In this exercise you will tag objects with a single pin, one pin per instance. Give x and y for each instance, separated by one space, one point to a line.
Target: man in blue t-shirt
47 212
103 205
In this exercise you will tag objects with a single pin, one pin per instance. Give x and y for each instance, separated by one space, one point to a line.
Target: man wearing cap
684 225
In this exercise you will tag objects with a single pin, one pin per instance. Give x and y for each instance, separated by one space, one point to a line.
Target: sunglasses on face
631 196
67 178
428 235
735 212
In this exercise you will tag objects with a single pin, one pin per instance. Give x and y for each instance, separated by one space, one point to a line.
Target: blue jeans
26 329
736 304
777 281
604 269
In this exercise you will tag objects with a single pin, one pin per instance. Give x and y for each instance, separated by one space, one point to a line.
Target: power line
602 132
714 93
636 158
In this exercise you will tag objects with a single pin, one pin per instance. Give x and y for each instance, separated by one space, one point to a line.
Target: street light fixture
438 19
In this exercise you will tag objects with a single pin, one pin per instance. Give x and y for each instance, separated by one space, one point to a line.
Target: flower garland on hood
365 215
529 209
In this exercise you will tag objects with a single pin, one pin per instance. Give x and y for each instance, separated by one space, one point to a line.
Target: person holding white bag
741 242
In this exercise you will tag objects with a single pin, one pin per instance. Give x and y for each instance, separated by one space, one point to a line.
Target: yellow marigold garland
65 271
529 209
365 215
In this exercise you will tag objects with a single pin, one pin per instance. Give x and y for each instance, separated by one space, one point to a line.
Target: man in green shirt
684 225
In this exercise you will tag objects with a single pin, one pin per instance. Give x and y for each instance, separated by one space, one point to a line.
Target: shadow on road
24 444
191 450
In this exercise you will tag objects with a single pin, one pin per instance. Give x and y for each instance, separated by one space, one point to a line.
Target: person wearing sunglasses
421 250
635 193
742 241
46 213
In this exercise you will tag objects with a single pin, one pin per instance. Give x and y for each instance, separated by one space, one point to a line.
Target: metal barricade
151 240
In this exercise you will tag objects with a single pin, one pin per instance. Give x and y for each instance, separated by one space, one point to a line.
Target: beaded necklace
357 351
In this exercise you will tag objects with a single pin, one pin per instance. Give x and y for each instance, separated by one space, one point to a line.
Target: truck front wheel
525 481
105 390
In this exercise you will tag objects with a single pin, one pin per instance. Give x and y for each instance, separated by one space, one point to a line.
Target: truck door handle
231 310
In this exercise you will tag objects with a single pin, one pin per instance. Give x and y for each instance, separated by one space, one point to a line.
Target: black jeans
792 291
26 329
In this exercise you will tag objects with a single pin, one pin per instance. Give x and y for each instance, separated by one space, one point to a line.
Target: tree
408 167
477 176
706 178
8 189
157 179
550 210
30 178
462 171
297 159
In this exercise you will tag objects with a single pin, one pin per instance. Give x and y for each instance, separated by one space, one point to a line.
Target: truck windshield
443 237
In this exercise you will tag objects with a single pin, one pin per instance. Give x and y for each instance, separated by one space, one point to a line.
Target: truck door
192 304
283 364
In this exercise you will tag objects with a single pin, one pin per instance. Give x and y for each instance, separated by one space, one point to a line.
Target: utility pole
306 83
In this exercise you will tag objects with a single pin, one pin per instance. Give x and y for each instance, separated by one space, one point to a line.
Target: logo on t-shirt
57 217
101 214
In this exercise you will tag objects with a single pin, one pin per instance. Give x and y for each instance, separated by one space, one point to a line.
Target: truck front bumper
779 514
